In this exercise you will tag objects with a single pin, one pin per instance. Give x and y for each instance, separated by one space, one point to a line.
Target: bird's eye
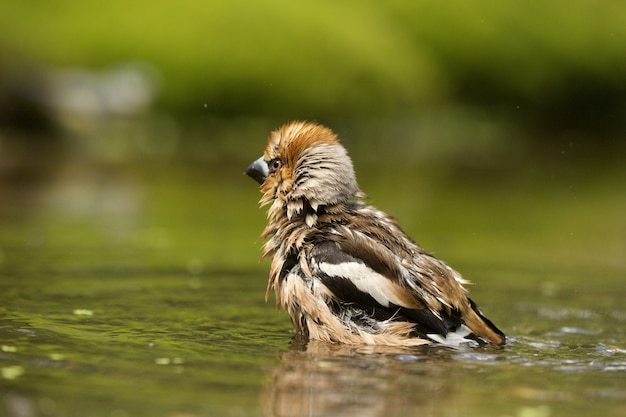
275 165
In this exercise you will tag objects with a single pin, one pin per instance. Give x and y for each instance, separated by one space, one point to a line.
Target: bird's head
304 163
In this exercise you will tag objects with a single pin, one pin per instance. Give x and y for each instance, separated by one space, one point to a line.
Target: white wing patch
365 279
456 339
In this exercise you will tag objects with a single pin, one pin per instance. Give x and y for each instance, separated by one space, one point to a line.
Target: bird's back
370 279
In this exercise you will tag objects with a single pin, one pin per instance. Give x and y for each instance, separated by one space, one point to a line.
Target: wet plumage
345 271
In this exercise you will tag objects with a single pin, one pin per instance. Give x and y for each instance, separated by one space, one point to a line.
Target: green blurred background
493 130
553 63
481 99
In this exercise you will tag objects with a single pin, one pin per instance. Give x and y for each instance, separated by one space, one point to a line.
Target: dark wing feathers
356 294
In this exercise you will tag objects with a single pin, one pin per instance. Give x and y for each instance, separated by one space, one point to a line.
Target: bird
346 272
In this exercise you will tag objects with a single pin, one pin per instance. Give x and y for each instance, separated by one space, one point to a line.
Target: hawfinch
345 271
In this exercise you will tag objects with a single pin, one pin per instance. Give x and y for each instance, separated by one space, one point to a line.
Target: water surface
127 292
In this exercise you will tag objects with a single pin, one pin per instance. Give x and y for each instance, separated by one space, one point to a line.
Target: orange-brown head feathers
304 163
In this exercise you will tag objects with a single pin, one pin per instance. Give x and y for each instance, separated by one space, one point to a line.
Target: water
128 292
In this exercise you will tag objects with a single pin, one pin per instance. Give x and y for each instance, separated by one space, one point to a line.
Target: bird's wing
365 278
384 274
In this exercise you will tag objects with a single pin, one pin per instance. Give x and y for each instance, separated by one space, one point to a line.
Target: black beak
258 170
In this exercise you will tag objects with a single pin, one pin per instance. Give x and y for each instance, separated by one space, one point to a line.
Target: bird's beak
258 170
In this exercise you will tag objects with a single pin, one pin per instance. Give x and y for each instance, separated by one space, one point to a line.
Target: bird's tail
482 327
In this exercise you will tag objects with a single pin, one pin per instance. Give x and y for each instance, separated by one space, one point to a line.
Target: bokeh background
494 131
98 101
558 65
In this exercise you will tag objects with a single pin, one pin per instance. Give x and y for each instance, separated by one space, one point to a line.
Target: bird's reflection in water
320 379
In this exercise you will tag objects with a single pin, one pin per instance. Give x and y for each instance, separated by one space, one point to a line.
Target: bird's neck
290 215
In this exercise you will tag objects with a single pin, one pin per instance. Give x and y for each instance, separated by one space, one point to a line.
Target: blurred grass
550 61
427 97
